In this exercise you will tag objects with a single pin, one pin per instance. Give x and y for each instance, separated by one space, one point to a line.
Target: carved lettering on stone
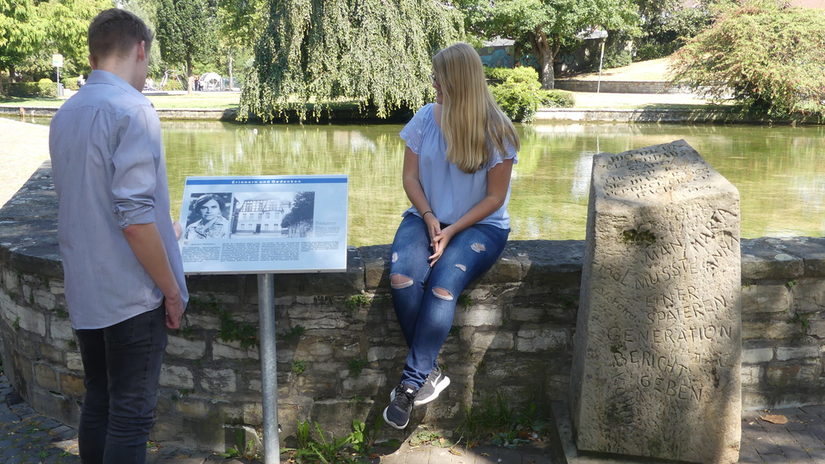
657 347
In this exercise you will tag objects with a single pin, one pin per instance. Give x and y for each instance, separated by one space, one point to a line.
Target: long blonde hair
471 121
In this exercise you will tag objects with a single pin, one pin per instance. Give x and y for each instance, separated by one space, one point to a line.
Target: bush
558 99
519 94
519 74
518 100
44 88
173 85
71 83
764 54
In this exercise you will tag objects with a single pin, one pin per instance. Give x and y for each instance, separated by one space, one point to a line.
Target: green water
780 171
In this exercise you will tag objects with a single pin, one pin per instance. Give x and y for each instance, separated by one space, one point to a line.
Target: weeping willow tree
374 52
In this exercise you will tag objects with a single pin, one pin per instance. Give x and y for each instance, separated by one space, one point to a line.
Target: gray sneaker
436 383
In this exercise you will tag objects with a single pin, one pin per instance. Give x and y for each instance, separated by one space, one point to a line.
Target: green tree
147 10
668 24
763 53
376 52
61 27
547 25
239 27
186 32
19 34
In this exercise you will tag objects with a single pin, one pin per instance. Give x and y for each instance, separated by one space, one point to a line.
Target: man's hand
174 311
178 230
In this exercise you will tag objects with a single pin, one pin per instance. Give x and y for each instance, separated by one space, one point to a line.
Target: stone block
478 294
809 295
32 320
765 298
206 433
656 367
365 384
480 341
11 282
784 376
384 353
203 321
785 353
192 407
774 330
314 349
56 287
541 339
45 377
184 348
751 375
74 361
219 380
757 355
176 377
60 329
72 385
478 315
762 260
507 269
233 350
254 385
526 314
27 292
253 413
52 353
45 300
60 407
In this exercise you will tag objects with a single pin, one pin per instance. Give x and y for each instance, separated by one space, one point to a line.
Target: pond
780 171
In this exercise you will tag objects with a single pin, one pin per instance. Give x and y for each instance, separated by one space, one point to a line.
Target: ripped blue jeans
425 298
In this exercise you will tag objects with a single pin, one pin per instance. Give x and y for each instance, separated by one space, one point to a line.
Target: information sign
264 224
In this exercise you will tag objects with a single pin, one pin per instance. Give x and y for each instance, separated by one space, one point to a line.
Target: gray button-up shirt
109 172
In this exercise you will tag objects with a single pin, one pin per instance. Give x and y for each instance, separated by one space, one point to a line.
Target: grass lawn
650 70
199 100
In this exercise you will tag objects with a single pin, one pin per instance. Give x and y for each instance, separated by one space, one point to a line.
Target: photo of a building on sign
267 215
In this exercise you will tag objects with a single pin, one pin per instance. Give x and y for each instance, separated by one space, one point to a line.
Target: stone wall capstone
657 348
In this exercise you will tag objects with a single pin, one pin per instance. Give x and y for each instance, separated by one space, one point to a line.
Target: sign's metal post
269 371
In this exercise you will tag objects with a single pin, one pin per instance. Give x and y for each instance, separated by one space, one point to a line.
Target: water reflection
778 170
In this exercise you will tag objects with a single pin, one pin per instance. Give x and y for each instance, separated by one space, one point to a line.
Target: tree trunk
189 80
545 55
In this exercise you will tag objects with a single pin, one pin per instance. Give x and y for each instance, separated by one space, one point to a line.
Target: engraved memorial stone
657 347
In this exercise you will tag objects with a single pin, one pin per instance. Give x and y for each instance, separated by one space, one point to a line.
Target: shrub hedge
43 88
519 94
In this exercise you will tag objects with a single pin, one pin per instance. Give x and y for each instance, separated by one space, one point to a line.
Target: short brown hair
116 31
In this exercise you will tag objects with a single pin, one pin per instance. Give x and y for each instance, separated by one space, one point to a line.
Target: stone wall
340 350
607 86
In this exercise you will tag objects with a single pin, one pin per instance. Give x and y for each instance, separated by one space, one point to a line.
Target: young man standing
123 271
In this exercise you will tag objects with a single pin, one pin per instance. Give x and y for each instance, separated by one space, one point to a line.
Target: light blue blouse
450 191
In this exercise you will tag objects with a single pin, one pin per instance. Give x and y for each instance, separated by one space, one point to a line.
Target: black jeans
122 368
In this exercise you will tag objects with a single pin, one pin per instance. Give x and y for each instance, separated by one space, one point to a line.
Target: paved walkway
791 436
23 148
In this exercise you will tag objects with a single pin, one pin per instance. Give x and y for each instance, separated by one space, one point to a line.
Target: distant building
262 216
498 53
